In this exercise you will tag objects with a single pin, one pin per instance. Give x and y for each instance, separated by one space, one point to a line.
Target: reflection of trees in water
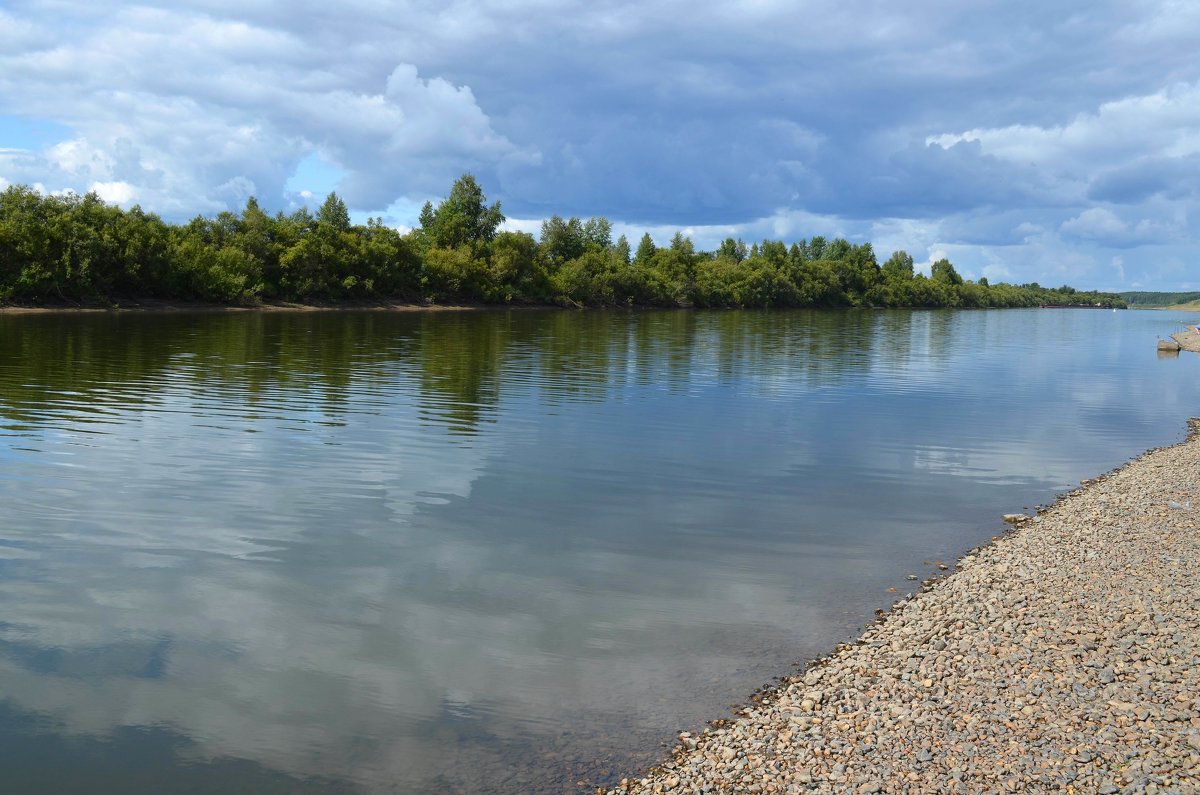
804 348
461 363
459 360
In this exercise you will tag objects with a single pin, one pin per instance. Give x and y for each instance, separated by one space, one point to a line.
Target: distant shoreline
164 306
77 249
1192 307
161 306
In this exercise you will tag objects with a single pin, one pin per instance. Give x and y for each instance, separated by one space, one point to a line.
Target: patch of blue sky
17 132
313 180
402 214
316 177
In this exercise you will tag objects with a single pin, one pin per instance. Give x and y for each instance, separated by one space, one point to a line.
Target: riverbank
1064 656
1188 340
156 305
384 305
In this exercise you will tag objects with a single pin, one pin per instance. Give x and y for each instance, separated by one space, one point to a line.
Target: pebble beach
1062 657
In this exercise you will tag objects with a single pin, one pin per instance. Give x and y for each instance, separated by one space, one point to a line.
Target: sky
1025 141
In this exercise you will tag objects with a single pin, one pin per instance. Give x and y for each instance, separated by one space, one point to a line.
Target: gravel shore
1065 656
1188 340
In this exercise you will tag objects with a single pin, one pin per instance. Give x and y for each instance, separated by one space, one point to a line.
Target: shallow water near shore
497 551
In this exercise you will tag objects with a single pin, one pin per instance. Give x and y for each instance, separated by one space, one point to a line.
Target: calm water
475 552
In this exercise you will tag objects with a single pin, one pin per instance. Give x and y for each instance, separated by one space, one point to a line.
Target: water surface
497 551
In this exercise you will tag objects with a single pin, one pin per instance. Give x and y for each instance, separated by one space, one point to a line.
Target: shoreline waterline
171 306
1061 656
163 306
1188 340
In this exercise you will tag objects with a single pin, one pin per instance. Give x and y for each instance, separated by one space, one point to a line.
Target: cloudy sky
1056 142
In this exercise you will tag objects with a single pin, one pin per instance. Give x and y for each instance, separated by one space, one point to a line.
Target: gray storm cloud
722 119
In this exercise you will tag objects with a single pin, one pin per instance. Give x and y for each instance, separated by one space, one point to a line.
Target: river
497 551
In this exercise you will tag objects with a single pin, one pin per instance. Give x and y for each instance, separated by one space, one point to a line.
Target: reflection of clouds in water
269 649
290 641
139 488
982 427
251 671
357 599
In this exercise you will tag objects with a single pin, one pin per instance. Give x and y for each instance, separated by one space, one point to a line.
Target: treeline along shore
71 248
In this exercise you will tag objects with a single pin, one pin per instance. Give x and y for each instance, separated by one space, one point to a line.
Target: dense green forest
1158 299
78 248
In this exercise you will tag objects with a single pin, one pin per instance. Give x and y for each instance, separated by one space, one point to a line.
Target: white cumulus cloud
1096 222
195 112
120 193
1166 121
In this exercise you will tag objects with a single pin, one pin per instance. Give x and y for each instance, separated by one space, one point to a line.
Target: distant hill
1164 300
